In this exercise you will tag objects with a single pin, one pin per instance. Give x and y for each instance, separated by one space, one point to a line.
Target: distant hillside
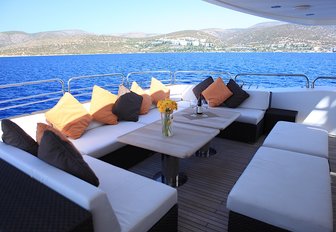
268 37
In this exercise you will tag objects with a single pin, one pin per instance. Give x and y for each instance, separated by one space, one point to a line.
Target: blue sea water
23 69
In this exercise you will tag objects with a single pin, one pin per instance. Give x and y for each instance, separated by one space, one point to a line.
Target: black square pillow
127 107
62 154
239 95
15 136
198 89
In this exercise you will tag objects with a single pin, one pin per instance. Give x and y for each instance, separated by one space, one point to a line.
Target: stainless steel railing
322 77
74 87
32 96
275 75
197 72
80 91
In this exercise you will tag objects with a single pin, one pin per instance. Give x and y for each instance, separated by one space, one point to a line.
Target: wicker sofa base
243 132
168 222
28 205
241 223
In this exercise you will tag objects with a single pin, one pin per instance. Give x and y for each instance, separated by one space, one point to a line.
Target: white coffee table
187 139
213 117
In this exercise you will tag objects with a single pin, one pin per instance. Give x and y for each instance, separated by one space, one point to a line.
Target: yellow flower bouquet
167 107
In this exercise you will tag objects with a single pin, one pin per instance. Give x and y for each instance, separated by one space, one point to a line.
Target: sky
118 16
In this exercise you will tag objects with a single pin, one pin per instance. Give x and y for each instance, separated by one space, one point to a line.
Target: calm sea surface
22 69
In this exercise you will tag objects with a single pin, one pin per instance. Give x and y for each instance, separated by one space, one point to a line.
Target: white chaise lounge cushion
298 137
138 202
103 140
286 189
82 193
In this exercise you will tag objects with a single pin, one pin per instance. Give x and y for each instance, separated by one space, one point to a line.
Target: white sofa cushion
103 140
182 91
285 189
82 193
252 116
258 99
138 202
152 116
298 137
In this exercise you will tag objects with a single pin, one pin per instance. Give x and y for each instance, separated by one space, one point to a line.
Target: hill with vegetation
267 37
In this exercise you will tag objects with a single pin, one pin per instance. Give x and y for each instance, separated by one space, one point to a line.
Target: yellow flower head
167 106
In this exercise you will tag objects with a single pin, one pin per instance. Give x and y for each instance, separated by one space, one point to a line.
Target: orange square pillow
158 91
102 102
69 116
146 99
41 128
216 93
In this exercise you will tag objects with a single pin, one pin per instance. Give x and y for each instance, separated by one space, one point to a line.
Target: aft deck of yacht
202 200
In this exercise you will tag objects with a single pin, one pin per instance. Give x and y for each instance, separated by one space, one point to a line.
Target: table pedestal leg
170 174
206 151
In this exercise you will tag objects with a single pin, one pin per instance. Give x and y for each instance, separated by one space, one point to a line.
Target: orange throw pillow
146 99
69 116
102 102
158 91
216 93
42 127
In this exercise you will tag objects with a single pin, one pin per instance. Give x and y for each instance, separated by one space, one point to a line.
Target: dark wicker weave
28 205
241 223
127 156
168 223
244 132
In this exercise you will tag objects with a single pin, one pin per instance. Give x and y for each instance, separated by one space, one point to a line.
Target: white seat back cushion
29 128
258 99
82 193
138 202
285 189
182 91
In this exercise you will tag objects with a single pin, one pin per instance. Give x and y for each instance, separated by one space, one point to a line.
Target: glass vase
167 124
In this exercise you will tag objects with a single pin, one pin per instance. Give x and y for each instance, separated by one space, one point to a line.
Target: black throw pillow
127 107
238 97
200 87
62 154
15 136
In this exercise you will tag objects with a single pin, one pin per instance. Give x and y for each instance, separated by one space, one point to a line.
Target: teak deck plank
202 200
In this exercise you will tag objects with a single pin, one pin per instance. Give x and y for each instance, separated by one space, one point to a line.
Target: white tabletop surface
186 140
220 117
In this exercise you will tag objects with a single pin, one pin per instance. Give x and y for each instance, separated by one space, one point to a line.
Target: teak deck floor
202 200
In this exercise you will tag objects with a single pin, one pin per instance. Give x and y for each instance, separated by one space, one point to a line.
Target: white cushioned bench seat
252 116
285 189
138 202
298 137
102 140
253 109
123 201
